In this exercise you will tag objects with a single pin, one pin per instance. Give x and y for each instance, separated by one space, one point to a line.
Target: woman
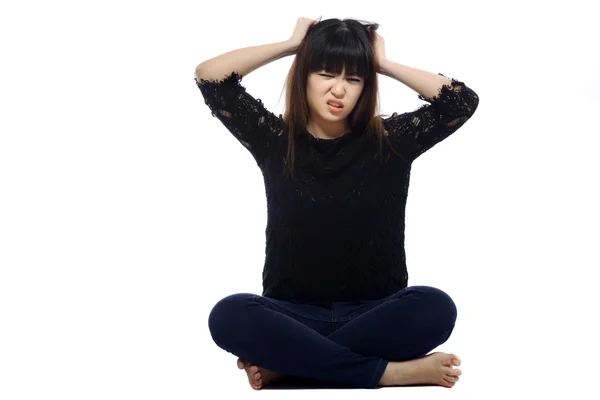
336 305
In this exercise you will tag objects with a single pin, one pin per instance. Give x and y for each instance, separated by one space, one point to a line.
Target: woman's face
324 86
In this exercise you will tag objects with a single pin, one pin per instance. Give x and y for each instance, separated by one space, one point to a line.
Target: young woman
336 305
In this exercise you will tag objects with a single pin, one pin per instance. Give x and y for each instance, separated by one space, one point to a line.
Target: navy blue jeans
348 343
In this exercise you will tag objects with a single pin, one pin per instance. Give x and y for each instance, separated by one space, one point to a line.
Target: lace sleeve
417 131
244 116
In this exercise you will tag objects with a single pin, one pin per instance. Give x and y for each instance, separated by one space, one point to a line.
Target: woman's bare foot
257 376
433 369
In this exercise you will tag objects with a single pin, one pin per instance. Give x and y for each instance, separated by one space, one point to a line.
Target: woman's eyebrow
352 75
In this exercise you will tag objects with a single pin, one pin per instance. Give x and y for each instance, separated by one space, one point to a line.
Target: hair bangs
342 52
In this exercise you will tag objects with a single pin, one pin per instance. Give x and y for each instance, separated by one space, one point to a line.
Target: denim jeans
348 343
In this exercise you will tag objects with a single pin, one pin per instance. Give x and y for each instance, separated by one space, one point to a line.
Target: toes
256 383
447 383
455 360
450 359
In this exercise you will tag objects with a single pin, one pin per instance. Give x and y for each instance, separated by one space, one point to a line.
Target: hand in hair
379 47
302 26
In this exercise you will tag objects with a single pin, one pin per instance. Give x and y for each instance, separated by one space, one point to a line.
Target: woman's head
334 61
338 60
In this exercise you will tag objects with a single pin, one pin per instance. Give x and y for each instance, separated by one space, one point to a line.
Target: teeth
334 105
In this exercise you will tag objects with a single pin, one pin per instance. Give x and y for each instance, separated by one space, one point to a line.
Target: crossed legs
402 327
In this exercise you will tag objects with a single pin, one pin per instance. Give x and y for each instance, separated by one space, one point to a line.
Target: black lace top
336 231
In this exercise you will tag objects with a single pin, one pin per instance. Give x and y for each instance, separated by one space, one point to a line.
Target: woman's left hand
379 48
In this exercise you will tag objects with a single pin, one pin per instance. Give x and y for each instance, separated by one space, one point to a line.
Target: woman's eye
330 76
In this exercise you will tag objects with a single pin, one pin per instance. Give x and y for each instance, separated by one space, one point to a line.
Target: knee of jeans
225 316
444 306
447 304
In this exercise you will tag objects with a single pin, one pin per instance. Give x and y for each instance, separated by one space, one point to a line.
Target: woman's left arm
427 84
451 104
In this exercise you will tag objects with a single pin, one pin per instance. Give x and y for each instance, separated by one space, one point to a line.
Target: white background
127 210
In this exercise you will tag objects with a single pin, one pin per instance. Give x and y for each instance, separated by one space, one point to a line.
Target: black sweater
336 231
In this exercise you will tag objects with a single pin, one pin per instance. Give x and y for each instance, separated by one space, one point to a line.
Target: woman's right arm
244 60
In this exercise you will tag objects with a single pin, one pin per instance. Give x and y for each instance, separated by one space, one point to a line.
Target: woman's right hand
300 30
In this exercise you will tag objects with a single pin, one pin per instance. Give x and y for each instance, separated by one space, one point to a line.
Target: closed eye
331 76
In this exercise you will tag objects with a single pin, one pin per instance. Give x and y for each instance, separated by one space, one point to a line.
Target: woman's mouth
335 109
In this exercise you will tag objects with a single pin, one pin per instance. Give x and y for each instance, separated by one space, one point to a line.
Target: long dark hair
333 45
